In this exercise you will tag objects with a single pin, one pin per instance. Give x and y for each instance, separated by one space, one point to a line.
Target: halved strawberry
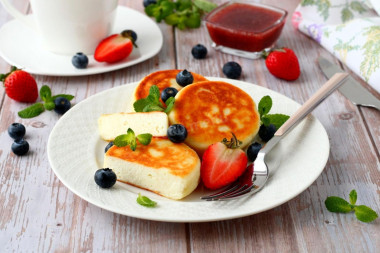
114 48
223 163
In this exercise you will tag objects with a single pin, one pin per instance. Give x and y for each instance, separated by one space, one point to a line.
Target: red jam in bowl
245 26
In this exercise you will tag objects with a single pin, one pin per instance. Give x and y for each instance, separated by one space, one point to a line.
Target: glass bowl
244 28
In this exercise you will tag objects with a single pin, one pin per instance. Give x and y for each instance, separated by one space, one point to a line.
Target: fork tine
241 188
238 194
227 190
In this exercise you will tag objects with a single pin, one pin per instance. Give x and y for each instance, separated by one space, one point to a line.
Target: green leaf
205 5
172 19
182 5
45 93
276 119
49 105
121 140
144 139
337 205
357 6
150 10
140 104
152 108
154 94
169 104
145 201
346 15
265 105
32 111
365 214
194 20
353 197
67 96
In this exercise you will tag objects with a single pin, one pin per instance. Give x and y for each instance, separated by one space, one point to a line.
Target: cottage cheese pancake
163 79
169 169
211 110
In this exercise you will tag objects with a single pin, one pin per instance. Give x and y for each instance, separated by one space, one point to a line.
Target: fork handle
329 87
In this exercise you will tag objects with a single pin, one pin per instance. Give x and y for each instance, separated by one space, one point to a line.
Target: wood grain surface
39 214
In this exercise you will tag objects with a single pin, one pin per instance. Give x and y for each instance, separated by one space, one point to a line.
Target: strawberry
115 48
20 85
223 163
283 63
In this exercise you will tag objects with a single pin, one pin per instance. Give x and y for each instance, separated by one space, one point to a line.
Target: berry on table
253 151
20 147
168 92
184 78
267 132
105 178
62 105
109 145
16 131
177 133
199 51
283 63
149 2
80 61
232 70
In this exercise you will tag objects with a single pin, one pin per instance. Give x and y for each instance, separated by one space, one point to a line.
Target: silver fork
257 173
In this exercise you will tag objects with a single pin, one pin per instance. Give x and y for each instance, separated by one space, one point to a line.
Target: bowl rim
231 2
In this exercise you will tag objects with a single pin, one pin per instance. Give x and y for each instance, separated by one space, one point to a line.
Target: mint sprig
181 13
277 119
152 102
130 139
338 205
48 103
145 201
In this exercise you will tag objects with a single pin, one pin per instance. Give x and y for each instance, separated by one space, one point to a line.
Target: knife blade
351 89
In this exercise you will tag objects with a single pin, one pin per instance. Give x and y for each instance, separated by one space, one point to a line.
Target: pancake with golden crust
163 79
169 169
211 110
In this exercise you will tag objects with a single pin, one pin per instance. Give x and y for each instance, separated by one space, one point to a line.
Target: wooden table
39 214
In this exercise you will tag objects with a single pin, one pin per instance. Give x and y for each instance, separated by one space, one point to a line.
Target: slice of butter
112 125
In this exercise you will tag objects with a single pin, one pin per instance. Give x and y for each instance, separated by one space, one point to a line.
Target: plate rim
189 220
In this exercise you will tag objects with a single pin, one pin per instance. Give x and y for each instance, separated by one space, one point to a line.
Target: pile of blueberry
17 132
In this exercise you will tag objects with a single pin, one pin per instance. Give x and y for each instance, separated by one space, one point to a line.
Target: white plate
29 54
76 151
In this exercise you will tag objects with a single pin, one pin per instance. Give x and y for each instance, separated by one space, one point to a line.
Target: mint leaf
169 104
172 19
144 139
205 5
45 93
276 119
32 111
152 108
145 201
140 104
353 197
125 139
265 105
67 96
132 139
337 205
154 94
49 105
194 20
365 214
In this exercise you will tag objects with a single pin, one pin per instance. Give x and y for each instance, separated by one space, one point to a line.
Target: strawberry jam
245 26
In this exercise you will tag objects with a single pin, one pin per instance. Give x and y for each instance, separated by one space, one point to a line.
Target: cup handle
17 14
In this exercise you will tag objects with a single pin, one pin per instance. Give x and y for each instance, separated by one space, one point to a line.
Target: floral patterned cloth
349 29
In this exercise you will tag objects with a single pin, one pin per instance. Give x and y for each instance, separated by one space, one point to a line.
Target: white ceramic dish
21 47
76 151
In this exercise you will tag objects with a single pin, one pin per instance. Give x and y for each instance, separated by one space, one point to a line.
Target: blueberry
80 61
130 33
20 147
109 145
177 133
253 150
199 51
168 92
184 78
16 131
267 132
149 2
105 178
62 105
232 70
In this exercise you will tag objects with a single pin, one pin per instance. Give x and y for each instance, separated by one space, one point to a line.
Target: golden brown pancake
163 79
211 110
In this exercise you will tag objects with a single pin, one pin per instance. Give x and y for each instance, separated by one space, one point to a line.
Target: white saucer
21 47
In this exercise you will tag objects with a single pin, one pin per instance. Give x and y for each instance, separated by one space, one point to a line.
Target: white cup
69 26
